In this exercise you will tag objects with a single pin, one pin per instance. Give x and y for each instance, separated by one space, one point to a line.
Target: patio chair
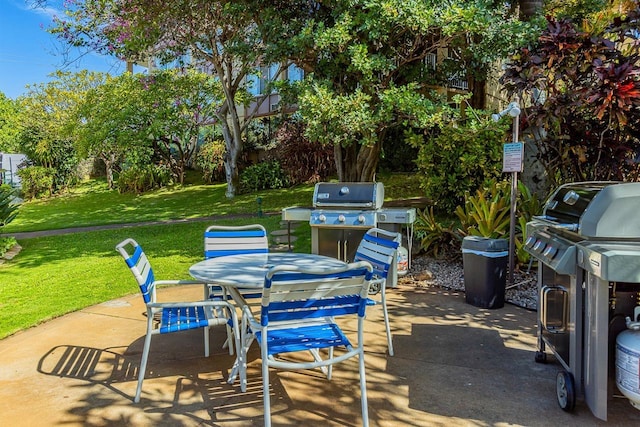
221 240
168 317
298 313
378 247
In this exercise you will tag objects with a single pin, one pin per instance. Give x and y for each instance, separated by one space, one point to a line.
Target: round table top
249 270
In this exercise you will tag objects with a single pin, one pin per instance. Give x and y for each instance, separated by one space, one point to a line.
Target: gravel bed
427 272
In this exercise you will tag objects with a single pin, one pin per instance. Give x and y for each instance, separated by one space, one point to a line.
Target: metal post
514 197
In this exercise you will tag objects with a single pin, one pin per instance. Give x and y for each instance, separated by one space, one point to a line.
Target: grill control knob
322 217
550 252
530 241
361 219
539 246
341 218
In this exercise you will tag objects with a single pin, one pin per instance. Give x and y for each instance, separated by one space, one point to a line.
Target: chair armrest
213 303
178 282
248 318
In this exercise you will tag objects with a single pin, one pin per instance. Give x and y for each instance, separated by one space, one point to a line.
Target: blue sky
28 53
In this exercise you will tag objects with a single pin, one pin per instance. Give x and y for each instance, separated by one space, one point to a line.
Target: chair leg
206 341
363 390
143 363
265 388
386 318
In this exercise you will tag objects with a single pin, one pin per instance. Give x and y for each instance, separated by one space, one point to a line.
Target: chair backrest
222 240
292 293
139 265
378 247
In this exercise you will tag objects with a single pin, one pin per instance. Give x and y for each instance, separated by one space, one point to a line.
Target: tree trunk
478 90
233 143
528 8
357 163
108 166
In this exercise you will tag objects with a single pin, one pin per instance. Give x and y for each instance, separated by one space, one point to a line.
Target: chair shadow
94 365
111 367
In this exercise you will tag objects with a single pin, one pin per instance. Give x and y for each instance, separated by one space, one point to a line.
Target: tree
372 68
9 124
162 115
219 36
48 117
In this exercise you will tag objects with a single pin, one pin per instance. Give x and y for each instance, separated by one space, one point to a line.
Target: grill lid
348 195
596 209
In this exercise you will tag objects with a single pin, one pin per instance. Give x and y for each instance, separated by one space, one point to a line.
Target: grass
56 275
92 203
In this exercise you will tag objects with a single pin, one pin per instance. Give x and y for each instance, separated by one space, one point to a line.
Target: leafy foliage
587 118
140 178
162 114
438 238
48 117
263 176
9 124
302 160
6 243
456 159
8 209
36 181
486 213
371 77
210 159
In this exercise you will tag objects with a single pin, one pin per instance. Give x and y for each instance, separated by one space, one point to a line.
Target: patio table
246 272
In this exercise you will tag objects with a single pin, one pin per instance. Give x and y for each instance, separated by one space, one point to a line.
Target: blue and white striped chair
298 314
379 248
222 240
167 317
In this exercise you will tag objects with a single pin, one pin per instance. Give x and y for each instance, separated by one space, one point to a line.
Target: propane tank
628 360
403 261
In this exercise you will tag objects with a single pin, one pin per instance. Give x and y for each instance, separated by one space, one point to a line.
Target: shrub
8 209
210 159
6 243
138 179
302 160
457 159
36 181
486 213
437 238
263 176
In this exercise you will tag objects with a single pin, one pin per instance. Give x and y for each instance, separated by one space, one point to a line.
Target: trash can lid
485 244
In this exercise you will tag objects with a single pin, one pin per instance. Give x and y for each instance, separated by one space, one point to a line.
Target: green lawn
55 275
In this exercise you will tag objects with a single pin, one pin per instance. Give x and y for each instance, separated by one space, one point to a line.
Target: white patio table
237 274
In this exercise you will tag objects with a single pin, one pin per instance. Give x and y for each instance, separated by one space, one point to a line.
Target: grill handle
569 227
551 221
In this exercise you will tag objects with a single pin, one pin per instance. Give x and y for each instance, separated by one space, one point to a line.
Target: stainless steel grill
587 243
342 213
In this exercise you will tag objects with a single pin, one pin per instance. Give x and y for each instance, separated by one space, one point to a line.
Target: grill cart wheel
541 357
565 391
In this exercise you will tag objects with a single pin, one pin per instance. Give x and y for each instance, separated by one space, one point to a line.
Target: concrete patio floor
455 365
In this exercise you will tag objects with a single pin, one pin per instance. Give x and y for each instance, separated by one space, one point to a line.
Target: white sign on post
513 154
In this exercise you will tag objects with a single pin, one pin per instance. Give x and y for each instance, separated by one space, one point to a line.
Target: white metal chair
221 240
167 317
298 314
379 248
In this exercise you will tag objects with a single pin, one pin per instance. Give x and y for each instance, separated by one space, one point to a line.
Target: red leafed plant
586 124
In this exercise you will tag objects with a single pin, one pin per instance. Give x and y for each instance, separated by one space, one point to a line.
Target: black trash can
485 270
